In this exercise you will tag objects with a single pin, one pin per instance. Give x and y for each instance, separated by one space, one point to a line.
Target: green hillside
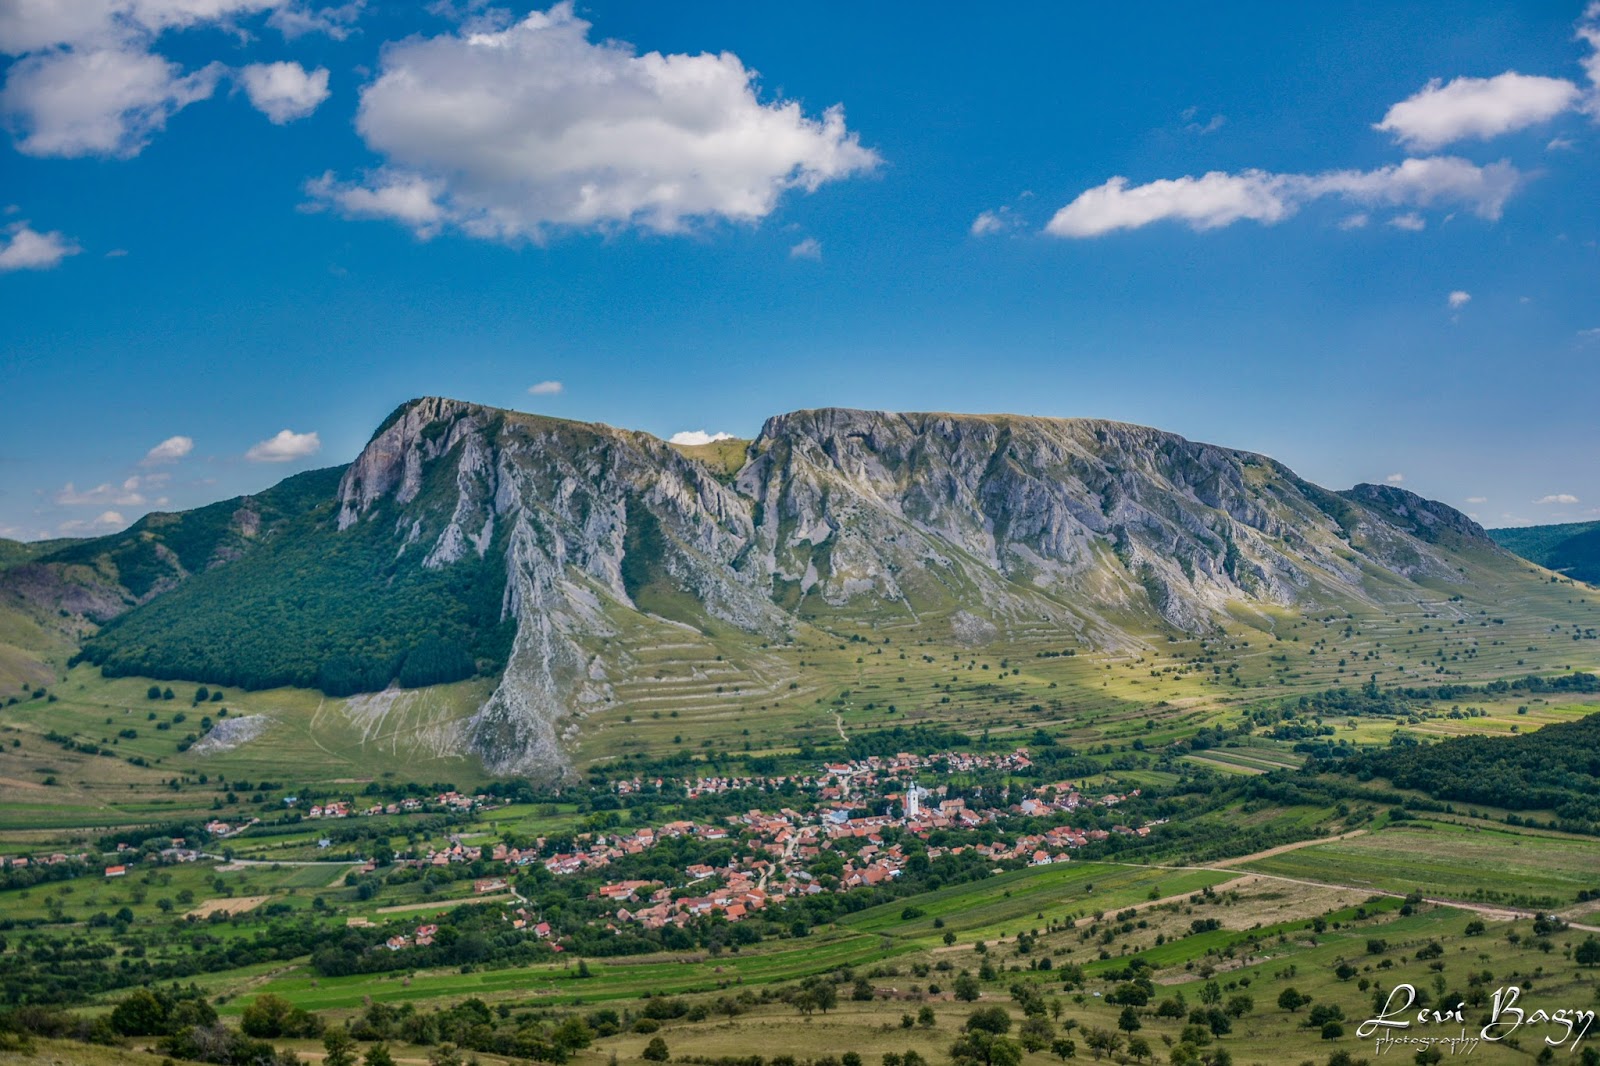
314 608
1573 548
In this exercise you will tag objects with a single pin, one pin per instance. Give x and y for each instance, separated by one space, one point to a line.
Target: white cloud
127 494
1590 334
1395 479
1220 199
298 19
105 101
1558 497
1458 299
89 80
1589 33
284 91
1477 499
1560 144
986 223
407 198
1410 221
545 388
697 436
285 447
1208 202
1192 123
1358 220
105 522
1476 108
168 451
28 249
810 248
999 220
508 132
37 25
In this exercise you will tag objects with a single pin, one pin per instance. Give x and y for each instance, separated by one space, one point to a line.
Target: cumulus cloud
285 447
24 248
168 451
1192 123
1558 497
1458 299
508 131
128 494
1476 108
1000 220
986 223
1410 222
697 436
105 522
298 19
284 91
1219 199
810 248
545 388
1358 220
1395 479
90 82
105 101
407 198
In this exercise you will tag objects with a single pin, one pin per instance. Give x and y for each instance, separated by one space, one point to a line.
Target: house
116 871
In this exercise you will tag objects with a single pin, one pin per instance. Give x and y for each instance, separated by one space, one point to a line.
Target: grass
1452 861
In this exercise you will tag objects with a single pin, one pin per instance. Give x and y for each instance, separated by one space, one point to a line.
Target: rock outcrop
976 526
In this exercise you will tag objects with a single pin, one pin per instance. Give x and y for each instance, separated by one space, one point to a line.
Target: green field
1453 861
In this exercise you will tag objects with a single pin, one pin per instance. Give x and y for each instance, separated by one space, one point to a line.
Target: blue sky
1360 238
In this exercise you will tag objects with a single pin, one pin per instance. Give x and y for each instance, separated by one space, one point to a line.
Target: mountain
1572 548
550 555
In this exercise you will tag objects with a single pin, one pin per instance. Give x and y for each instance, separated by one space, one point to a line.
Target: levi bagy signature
1398 1025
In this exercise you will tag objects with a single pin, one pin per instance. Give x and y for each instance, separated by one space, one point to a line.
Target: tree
377 1055
340 1047
1129 1021
153 692
1102 1041
981 1048
1588 953
656 1050
1036 1032
1139 1048
967 988
989 1020
926 1017
141 1014
264 1018
445 1055
1292 999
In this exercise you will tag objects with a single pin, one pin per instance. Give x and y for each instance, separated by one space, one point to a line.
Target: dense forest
1572 548
314 607
1556 768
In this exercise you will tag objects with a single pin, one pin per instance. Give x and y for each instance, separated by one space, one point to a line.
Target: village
819 842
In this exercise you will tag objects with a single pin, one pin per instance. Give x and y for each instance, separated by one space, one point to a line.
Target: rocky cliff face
558 500
970 526
976 524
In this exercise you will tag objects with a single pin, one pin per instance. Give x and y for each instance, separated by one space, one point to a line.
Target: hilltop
569 567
